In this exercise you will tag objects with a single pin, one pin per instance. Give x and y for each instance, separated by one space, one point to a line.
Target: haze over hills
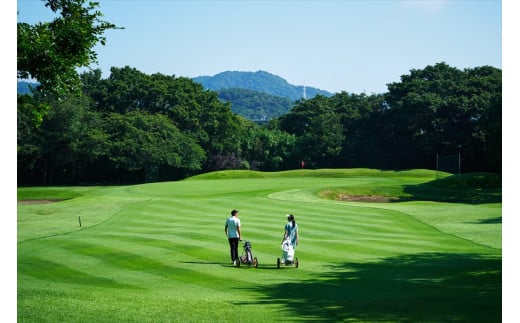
260 81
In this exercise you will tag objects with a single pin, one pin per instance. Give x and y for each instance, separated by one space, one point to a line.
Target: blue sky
357 46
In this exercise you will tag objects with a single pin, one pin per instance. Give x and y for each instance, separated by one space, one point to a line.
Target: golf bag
247 257
287 251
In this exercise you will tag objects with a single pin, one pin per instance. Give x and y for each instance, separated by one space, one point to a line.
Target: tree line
132 127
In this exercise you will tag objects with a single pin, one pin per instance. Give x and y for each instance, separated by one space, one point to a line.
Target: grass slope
158 253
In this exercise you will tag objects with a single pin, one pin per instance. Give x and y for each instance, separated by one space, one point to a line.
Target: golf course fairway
420 247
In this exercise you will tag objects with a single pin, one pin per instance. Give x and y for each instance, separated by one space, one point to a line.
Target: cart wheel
296 262
255 262
277 262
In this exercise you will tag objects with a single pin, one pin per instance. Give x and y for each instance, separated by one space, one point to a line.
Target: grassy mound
464 188
321 173
48 193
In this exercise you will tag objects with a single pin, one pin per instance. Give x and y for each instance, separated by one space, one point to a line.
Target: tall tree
441 109
267 149
61 149
360 116
50 52
144 143
318 130
196 112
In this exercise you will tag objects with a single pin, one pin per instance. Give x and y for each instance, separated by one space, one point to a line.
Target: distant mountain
254 105
258 81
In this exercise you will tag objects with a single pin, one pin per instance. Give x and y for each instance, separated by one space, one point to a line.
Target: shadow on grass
222 264
437 287
490 221
205 263
478 188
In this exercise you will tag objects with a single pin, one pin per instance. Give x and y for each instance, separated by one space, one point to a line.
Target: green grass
158 253
48 193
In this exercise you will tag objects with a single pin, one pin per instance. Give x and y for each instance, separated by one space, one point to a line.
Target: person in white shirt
232 229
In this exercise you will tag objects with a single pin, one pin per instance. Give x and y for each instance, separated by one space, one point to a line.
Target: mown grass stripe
150 252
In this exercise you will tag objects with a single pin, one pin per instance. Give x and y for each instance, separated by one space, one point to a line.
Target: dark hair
234 212
291 218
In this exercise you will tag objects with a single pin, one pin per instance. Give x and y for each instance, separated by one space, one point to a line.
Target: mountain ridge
260 81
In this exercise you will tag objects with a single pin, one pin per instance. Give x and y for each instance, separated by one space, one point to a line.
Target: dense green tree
50 52
134 127
435 110
254 105
222 127
28 140
360 116
60 150
196 112
484 92
146 143
268 149
441 109
318 130
30 114
77 145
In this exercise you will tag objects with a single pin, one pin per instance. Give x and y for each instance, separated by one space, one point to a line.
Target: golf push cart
288 258
247 256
